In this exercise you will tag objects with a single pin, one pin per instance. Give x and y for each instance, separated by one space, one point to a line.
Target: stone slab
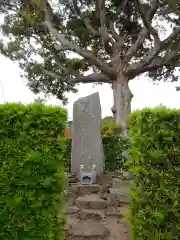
84 214
81 190
116 212
88 230
72 210
123 185
92 201
87 146
116 194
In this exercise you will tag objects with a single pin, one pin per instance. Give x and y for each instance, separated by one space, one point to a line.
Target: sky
13 89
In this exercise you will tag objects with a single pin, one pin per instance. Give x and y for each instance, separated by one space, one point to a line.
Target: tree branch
92 78
71 46
103 33
142 14
103 30
121 5
167 60
170 38
144 32
147 24
152 61
86 21
51 74
119 39
101 10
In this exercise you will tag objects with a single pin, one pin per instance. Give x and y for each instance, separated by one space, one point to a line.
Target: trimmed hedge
31 172
155 163
113 149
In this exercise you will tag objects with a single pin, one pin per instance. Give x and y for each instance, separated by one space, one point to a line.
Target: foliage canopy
56 42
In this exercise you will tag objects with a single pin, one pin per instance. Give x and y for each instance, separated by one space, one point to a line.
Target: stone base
92 201
90 214
82 190
88 231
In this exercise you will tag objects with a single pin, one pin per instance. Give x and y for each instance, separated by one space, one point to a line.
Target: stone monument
87 149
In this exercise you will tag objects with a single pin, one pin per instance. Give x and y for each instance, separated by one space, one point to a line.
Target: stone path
94 213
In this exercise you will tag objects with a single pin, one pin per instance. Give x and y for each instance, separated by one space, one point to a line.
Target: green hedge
67 155
113 149
31 172
155 163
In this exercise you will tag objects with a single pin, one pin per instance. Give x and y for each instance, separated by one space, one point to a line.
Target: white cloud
146 94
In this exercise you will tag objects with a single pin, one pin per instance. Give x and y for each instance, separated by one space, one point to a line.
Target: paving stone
92 201
112 200
87 189
119 230
122 197
72 210
87 230
116 212
70 198
123 185
84 214
125 225
73 188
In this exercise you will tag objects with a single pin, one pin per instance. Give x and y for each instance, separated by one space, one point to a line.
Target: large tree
57 41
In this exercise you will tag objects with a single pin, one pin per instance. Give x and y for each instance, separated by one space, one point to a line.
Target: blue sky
13 89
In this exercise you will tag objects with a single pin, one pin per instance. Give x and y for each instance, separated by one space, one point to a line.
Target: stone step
70 197
116 211
87 230
82 190
123 185
85 214
92 201
115 195
71 210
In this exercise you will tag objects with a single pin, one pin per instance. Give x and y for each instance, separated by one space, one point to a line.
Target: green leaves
31 171
109 127
114 147
155 163
49 67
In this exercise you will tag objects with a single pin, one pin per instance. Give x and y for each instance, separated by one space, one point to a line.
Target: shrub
67 155
155 163
31 172
113 148
109 127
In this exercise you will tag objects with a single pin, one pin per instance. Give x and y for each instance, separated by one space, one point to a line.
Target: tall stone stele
87 146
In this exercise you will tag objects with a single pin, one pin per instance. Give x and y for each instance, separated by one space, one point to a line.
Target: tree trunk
122 100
